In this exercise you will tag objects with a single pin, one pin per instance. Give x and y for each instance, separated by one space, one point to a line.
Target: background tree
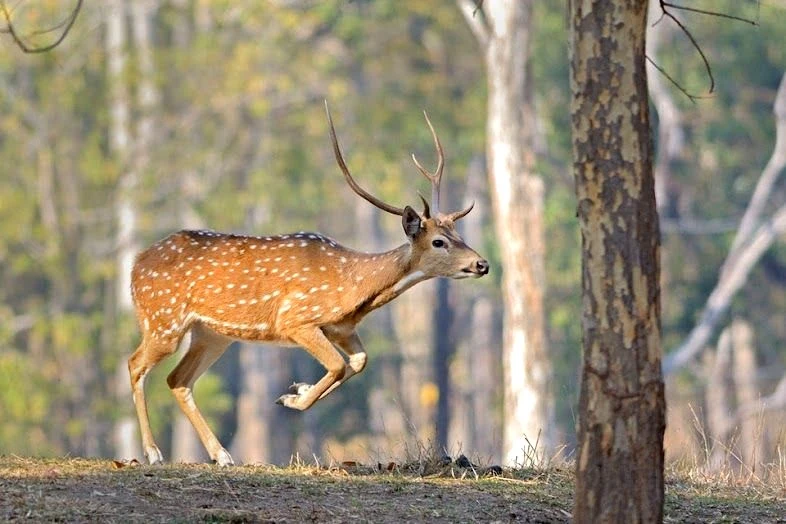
504 31
619 460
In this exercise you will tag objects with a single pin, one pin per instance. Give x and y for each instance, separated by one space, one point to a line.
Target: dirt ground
79 490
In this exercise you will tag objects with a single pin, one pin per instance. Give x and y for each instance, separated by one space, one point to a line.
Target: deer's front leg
353 347
317 344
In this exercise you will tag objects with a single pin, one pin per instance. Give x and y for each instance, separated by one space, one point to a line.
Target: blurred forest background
154 115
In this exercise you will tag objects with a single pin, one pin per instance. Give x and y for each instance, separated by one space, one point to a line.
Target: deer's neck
381 277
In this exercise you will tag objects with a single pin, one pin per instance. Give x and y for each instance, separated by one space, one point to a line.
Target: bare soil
80 490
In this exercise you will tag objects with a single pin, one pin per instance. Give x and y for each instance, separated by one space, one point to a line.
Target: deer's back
245 287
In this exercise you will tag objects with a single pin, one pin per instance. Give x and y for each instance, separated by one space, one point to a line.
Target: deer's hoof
224 459
154 455
289 401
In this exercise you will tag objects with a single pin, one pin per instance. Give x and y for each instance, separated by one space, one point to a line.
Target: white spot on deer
291 244
276 293
323 287
172 300
316 308
274 270
265 298
335 310
253 301
230 286
312 289
243 286
277 259
322 268
340 288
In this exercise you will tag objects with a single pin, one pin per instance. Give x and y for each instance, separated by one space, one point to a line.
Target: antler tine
436 177
461 214
348 177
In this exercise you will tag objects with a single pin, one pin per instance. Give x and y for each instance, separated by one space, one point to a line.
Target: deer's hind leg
205 348
314 341
150 352
351 345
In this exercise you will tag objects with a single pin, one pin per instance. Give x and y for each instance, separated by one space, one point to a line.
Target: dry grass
425 490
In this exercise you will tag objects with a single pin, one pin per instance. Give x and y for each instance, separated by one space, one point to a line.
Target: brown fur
301 289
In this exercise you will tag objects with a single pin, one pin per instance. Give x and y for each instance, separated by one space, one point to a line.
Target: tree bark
619 467
503 29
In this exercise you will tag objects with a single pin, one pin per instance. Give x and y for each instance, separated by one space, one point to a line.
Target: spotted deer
301 289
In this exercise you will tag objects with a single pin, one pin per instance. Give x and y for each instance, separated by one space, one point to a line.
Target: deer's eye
438 242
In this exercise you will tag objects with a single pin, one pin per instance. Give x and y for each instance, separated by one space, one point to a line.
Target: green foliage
241 143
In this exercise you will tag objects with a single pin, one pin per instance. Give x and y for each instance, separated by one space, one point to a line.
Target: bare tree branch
770 174
473 14
725 289
747 248
693 41
665 13
66 24
710 13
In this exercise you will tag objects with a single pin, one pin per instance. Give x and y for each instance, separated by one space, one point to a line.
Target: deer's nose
481 267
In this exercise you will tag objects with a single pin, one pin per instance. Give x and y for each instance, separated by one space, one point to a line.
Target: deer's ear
411 222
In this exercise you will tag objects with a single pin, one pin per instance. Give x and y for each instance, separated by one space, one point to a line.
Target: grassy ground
78 490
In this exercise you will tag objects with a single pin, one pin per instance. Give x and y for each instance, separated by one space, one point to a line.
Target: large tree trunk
503 27
619 466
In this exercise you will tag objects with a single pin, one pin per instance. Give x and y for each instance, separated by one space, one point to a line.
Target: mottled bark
619 467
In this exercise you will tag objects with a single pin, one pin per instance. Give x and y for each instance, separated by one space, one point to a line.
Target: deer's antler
348 177
436 177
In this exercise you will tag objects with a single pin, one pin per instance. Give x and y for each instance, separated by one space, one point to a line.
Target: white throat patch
409 281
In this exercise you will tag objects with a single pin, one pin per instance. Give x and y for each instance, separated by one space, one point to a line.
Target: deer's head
437 248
